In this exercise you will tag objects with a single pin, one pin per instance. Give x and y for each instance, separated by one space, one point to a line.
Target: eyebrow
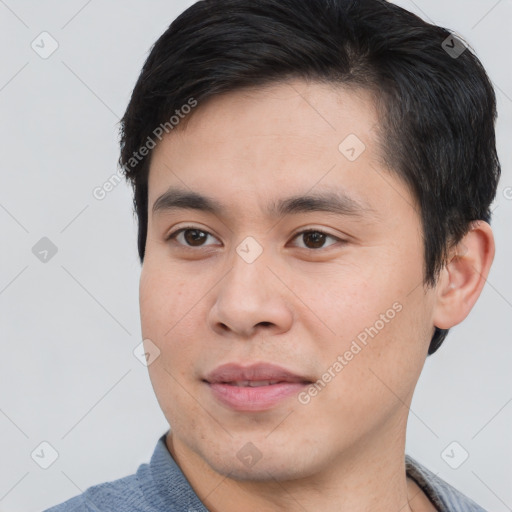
338 203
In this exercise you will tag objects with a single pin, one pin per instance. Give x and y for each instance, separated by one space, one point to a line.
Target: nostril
265 324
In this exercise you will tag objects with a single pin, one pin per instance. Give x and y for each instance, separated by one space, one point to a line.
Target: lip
231 372
221 381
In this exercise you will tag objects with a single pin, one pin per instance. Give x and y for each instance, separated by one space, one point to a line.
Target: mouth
253 383
253 388
256 374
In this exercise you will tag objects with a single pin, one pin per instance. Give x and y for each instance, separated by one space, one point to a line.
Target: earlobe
464 275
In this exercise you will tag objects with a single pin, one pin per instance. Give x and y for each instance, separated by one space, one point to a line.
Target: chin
270 464
260 472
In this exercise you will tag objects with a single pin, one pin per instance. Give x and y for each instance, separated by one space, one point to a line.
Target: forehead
278 141
294 108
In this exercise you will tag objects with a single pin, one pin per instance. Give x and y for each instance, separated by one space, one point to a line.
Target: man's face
333 297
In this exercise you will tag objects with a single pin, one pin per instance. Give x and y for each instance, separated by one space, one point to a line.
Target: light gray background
68 327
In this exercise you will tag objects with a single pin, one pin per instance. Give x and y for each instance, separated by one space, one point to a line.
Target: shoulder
159 485
445 497
123 494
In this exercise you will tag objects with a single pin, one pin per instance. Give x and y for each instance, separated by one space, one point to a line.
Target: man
312 181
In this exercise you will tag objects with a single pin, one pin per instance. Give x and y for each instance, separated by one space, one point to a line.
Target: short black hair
437 104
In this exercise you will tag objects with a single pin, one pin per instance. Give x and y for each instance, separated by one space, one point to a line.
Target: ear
464 275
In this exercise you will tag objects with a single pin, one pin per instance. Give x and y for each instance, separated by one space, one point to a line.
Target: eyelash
174 234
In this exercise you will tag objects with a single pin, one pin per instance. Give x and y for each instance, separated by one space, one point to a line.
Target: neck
369 476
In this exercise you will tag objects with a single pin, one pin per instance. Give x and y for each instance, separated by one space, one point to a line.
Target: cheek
169 305
162 299
350 298
392 359
381 320
163 309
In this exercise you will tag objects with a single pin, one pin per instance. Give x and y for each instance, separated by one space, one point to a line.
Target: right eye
190 237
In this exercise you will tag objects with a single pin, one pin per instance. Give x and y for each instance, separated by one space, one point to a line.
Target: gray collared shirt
444 497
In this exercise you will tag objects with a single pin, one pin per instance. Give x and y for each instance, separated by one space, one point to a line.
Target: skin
299 304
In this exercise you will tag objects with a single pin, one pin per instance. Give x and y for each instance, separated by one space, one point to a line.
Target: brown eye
194 237
190 237
314 239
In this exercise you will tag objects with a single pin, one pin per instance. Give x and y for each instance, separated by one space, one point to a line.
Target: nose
250 299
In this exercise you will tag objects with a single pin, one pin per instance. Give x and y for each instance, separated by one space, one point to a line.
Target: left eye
314 239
